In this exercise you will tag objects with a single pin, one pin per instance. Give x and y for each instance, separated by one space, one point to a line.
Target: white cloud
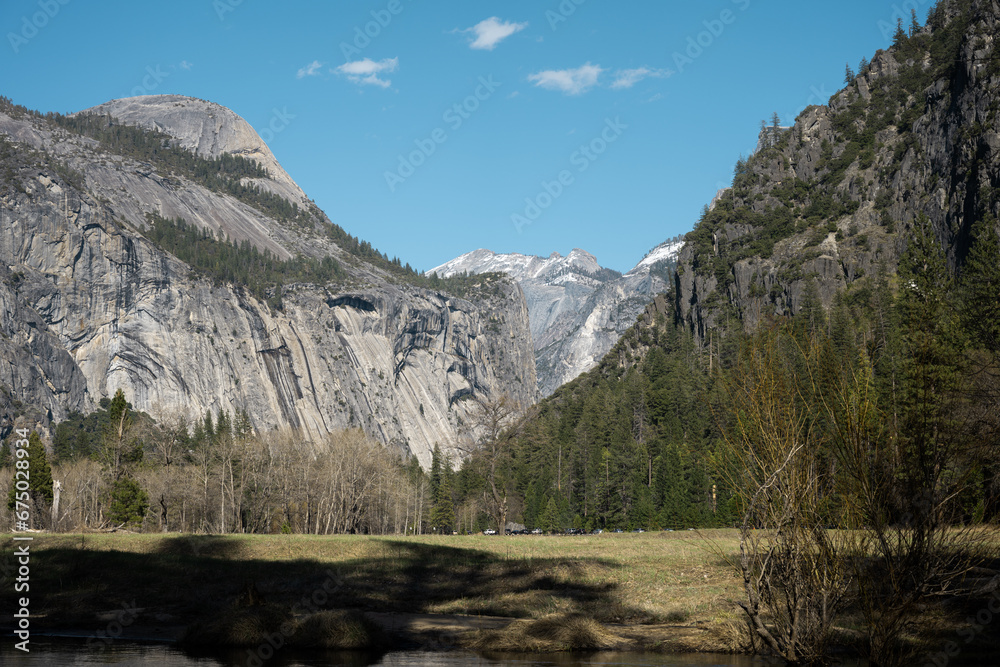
626 78
569 81
186 65
311 69
492 31
366 72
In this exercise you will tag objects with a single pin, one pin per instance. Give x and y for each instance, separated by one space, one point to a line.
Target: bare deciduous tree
493 430
794 576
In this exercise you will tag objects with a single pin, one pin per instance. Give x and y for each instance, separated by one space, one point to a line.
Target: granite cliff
91 304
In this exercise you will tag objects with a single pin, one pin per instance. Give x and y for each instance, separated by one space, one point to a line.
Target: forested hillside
852 272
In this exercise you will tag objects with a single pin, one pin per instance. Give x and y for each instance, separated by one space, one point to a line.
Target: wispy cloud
367 72
312 69
626 78
186 65
570 81
492 31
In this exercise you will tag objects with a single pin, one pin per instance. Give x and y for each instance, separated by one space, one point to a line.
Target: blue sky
520 126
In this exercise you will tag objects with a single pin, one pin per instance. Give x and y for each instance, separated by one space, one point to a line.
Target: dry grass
642 586
256 626
241 627
556 632
344 630
626 578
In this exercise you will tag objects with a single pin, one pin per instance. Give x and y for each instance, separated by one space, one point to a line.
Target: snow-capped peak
668 250
519 267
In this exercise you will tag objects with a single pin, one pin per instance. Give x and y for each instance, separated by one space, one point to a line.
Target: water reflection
68 653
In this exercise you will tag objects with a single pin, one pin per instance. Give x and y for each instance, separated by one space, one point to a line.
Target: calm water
66 653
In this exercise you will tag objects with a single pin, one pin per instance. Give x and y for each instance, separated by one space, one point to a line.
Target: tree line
242 264
121 469
854 447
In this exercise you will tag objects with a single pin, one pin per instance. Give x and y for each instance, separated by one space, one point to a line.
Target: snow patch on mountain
577 309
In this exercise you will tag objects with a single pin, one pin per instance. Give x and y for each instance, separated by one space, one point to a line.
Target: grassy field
183 580
667 591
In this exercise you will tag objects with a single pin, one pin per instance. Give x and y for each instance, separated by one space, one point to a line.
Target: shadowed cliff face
90 305
832 200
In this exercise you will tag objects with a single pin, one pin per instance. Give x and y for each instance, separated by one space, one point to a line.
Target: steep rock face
205 128
91 305
577 308
834 200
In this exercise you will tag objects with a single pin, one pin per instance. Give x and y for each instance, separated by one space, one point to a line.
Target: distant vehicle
597 531
574 531
536 531
490 531
638 530
617 530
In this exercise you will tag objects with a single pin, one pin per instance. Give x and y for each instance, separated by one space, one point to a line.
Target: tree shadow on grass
419 577
191 581
195 576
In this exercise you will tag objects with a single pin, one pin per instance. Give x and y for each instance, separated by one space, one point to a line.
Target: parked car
490 531
597 531
536 531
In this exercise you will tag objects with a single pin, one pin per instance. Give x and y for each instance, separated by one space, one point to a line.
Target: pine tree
129 502
208 426
863 66
443 511
930 374
39 475
223 426
849 75
979 291
899 38
242 426
549 521
119 449
436 470
914 23
980 285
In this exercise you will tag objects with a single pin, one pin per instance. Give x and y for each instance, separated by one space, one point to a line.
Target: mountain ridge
577 309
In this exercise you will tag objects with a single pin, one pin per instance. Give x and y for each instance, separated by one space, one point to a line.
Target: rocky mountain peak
206 128
577 309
